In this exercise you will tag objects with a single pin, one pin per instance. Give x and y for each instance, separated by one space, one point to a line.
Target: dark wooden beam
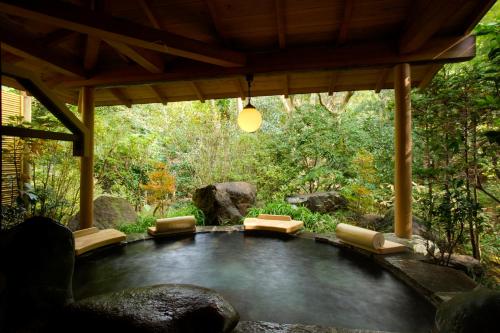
425 19
349 56
427 78
382 78
26 46
149 60
21 132
120 95
281 22
346 21
105 26
45 96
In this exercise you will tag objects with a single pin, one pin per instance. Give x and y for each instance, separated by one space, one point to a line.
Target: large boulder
321 202
476 311
37 259
225 202
387 224
172 308
109 212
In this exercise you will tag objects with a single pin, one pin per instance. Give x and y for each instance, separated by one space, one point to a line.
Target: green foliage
315 222
144 221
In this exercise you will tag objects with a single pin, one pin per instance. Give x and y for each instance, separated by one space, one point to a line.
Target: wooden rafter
281 23
346 21
159 94
146 7
26 46
333 83
427 78
197 91
120 95
151 61
373 54
91 54
45 96
286 85
216 21
240 88
382 78
57 36
102 25
425 19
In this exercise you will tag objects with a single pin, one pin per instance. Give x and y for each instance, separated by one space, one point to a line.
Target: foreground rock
109 212
476 311
172 308
321 202
267 327
225 202
36 271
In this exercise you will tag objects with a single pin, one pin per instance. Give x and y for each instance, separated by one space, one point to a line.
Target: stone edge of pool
435 283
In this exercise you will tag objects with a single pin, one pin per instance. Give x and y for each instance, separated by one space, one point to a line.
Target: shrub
315 222
145 221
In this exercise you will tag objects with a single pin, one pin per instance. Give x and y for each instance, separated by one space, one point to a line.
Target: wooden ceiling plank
91 53
150 61
158 93
374 55
425 19
120 95
197 91
146 7
429 75
281 23
107 27
22 44
382 78
346 21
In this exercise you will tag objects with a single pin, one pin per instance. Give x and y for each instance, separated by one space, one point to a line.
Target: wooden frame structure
110 52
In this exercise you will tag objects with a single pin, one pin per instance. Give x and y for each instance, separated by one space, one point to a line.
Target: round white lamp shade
249 119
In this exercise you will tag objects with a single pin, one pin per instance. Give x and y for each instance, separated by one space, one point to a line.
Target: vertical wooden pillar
86 108
403 152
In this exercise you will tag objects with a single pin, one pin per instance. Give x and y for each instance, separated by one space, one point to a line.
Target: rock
267 327
321 202
467 264
476 311
387 224
417 244
172 308
370 221
36 273
109 212
225 202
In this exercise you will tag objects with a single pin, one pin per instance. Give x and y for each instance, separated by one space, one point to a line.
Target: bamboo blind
12 105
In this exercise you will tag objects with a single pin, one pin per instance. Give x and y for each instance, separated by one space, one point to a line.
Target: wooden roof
143 51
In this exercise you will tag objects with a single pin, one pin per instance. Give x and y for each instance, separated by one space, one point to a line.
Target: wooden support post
86 107
403 152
